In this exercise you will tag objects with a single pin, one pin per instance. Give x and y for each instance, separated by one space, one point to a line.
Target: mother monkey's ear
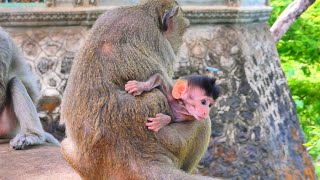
167 18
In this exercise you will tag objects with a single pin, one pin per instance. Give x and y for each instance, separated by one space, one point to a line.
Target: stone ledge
38 162
226 14
62 16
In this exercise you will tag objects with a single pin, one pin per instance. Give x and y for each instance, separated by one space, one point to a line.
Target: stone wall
255 129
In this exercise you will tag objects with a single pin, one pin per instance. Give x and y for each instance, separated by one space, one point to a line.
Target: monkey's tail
51 139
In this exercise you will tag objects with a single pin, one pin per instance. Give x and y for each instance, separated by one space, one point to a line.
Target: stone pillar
255 128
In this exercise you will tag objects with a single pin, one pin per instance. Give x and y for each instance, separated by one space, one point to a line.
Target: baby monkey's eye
210 105
203 102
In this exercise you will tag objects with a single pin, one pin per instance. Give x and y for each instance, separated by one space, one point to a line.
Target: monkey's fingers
130 86
152 121
165 119
155 124
154 128
160 114
130 82
136 93
131 91
133 82
128 89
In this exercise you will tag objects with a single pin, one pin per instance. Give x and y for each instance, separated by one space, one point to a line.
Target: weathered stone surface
51 49
31 50
255 129
45 64
86 16
66 64
38 162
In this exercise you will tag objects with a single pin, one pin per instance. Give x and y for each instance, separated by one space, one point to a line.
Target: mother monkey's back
106 135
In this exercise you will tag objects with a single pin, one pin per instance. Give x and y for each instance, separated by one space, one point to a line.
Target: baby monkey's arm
136 88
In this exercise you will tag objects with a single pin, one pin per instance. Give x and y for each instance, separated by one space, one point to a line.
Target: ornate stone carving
31 50
213 15
233 2
52 80
197 15
202 2
85 2
44 65
66 64
50 3
78 2
93 2
46 17
51 49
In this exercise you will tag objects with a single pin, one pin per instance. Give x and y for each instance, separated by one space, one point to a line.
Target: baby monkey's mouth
200 118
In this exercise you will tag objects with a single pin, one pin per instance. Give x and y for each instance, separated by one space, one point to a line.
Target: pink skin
197 103
156 123
135 87
6 123
193 104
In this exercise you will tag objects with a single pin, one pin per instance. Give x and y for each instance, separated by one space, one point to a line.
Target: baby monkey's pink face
197 103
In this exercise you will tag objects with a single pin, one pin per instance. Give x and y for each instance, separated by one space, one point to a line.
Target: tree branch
288 16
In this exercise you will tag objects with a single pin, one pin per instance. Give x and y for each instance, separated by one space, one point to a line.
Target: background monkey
18 92
105 126
190 98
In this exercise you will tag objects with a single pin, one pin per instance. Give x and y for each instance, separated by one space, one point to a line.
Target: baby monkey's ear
179 88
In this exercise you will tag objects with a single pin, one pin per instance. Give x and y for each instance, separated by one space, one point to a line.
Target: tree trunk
288 16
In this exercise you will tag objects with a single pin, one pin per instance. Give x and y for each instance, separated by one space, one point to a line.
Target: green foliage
301 42
305 90
314 143
317 167
299 51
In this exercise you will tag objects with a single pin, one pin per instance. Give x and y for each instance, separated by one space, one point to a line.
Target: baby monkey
191 98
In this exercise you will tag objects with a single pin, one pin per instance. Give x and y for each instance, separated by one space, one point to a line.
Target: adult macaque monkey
191 98
105 126
18 92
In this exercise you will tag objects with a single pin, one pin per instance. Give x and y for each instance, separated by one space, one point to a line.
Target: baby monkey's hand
135 87
155 124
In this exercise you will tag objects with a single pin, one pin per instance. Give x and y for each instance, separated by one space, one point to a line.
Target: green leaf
290 71
306 71
299 103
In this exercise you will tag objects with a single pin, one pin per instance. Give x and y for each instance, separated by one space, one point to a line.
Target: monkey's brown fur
105 126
